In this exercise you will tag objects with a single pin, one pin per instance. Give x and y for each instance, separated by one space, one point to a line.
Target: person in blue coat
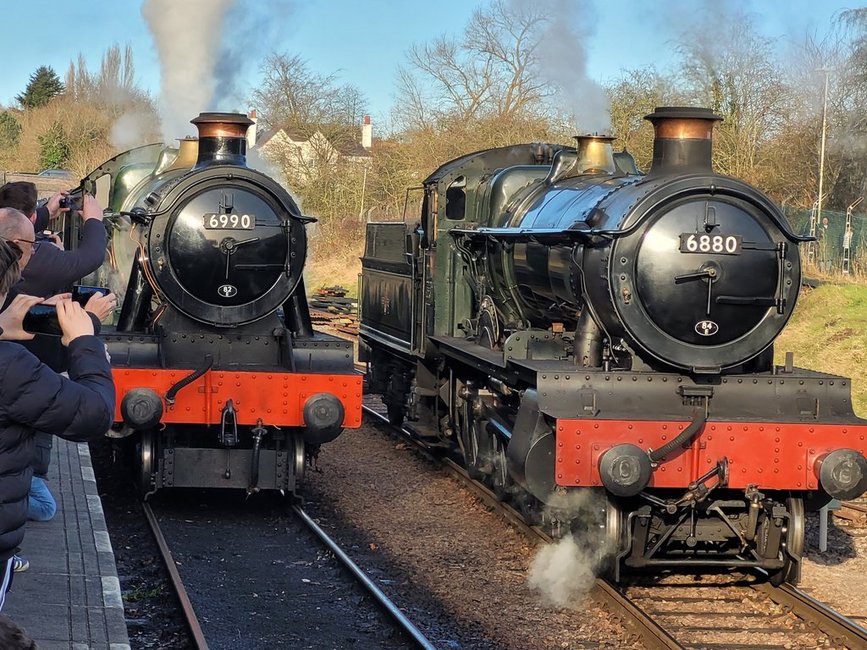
35 398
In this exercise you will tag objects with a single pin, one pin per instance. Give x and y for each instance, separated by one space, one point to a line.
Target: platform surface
70 597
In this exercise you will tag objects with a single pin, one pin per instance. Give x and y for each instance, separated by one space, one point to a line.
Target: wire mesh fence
841 241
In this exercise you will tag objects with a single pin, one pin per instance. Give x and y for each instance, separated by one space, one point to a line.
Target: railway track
684 614
408 635
189 612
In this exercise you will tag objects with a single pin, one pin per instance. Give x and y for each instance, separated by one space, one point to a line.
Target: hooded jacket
35 398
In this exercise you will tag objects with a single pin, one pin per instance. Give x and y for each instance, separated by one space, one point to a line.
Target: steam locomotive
597 345
220 377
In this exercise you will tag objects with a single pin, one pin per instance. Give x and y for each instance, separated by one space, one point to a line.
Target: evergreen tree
43 86
54 149
10 131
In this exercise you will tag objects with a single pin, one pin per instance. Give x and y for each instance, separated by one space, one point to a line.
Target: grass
328 266
828 332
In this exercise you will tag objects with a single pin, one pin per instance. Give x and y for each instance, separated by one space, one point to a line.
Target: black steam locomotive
597 345
219 373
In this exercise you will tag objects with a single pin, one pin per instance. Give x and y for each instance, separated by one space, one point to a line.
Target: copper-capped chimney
222 138
682 139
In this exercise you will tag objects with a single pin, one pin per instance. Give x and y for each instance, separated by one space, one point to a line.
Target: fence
834 252
45 185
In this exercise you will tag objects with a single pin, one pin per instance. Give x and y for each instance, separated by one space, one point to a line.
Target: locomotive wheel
501 482
793 545
612 527
473 445
396 414
299 449
147 462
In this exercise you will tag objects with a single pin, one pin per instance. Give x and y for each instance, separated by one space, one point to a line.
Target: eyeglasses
16 249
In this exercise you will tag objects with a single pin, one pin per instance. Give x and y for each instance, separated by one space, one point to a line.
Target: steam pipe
137 301
297 313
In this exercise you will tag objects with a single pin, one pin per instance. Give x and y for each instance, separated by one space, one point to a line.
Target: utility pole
822 148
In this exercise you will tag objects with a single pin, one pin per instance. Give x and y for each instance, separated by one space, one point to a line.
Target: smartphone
82 293
42 319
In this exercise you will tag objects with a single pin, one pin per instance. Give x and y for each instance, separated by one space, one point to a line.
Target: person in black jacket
53 270
46 271
35 398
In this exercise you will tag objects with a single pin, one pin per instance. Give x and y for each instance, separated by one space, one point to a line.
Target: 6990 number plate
691 242
214 221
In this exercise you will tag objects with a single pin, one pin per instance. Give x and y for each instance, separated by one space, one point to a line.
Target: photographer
53 270
22 195
35 398
15 227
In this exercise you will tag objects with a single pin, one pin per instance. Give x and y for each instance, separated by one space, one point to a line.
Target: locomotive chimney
595 155
222 138
682 139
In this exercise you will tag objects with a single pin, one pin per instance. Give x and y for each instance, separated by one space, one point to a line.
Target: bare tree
491 72
113 84
736 75
291 95
633 96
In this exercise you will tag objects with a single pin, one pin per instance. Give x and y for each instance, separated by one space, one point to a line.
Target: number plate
214 221
691 242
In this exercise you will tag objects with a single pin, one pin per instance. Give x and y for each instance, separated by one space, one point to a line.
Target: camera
46 235
71 201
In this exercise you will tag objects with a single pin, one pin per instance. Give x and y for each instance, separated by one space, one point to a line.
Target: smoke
566 569
132 129
257 27
563 63
206 48
187 36
562 571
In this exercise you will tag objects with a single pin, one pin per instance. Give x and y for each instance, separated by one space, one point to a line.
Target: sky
363 41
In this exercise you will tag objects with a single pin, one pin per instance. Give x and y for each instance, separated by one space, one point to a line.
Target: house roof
344 147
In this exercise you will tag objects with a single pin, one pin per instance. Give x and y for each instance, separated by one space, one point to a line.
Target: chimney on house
251 132
366 133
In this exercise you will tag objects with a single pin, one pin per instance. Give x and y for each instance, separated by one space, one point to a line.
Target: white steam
206 49
563 63
187 36
132 129
567 569
562 571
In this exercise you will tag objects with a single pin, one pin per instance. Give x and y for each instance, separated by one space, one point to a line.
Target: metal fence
841 240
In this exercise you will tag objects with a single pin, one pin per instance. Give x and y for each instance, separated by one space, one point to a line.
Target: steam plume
567 568
187 35
206 47
563 58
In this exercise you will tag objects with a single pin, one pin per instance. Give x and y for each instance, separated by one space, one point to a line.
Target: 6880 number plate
691 242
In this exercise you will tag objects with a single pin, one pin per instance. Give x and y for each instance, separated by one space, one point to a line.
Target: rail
178 584
387 604
843 632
